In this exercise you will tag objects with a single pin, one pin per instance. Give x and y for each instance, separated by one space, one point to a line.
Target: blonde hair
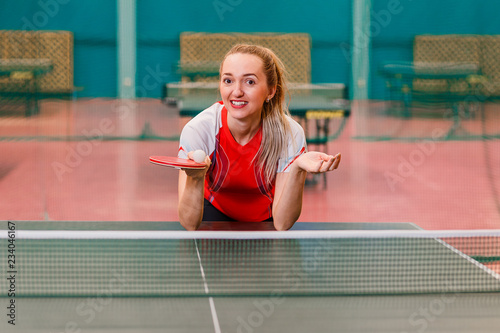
275 126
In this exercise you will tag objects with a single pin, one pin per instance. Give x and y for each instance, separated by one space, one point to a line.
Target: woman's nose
238 92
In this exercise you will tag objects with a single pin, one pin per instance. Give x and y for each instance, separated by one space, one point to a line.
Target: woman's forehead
242 63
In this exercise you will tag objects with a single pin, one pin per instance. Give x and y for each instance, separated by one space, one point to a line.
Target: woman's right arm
191 195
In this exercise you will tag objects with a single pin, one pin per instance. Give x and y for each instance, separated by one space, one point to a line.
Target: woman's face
243 86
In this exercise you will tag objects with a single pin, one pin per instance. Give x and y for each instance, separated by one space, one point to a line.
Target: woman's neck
243 130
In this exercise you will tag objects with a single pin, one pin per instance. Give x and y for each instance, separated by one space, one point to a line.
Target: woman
257 160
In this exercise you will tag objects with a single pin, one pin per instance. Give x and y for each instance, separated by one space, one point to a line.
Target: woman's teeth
235 103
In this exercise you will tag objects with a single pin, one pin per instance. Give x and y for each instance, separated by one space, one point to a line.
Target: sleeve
296 146
199 133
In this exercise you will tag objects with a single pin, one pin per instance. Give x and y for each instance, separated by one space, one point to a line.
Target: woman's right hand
197 173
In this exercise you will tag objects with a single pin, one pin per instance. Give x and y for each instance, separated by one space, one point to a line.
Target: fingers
190 155
197 173
207 160
336 162
330 163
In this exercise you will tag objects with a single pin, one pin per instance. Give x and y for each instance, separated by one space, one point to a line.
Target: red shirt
233 183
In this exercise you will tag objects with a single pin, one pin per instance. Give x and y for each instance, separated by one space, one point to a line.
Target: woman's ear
271 94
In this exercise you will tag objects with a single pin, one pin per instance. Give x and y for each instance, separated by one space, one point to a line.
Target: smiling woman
257 158
260 78
244 90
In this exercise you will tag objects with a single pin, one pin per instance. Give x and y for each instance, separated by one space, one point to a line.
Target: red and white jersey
233 183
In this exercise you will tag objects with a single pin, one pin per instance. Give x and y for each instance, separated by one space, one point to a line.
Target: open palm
317 162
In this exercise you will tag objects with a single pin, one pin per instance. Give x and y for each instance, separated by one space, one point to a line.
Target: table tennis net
293 263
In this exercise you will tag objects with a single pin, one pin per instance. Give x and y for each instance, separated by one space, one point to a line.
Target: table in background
400 80
27 71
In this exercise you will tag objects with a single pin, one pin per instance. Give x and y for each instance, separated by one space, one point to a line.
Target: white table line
215 319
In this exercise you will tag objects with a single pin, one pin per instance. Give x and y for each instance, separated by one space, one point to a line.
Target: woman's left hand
317 162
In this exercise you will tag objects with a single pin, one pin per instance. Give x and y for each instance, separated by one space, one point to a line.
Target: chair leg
326 132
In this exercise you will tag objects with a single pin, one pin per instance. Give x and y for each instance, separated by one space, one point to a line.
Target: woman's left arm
289 189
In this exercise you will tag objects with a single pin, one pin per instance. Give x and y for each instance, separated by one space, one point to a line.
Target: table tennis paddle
176 162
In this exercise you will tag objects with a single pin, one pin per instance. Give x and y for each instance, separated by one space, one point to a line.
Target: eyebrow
249 74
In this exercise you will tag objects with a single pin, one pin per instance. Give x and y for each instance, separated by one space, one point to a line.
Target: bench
453 71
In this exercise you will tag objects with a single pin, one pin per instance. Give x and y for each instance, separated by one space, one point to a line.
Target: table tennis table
28 72
453 85
433 301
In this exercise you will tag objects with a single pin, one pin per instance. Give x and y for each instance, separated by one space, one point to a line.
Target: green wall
159 24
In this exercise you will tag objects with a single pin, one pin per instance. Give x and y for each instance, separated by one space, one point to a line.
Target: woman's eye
227 81
251 82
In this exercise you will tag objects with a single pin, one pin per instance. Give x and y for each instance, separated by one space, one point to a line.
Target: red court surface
436 184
